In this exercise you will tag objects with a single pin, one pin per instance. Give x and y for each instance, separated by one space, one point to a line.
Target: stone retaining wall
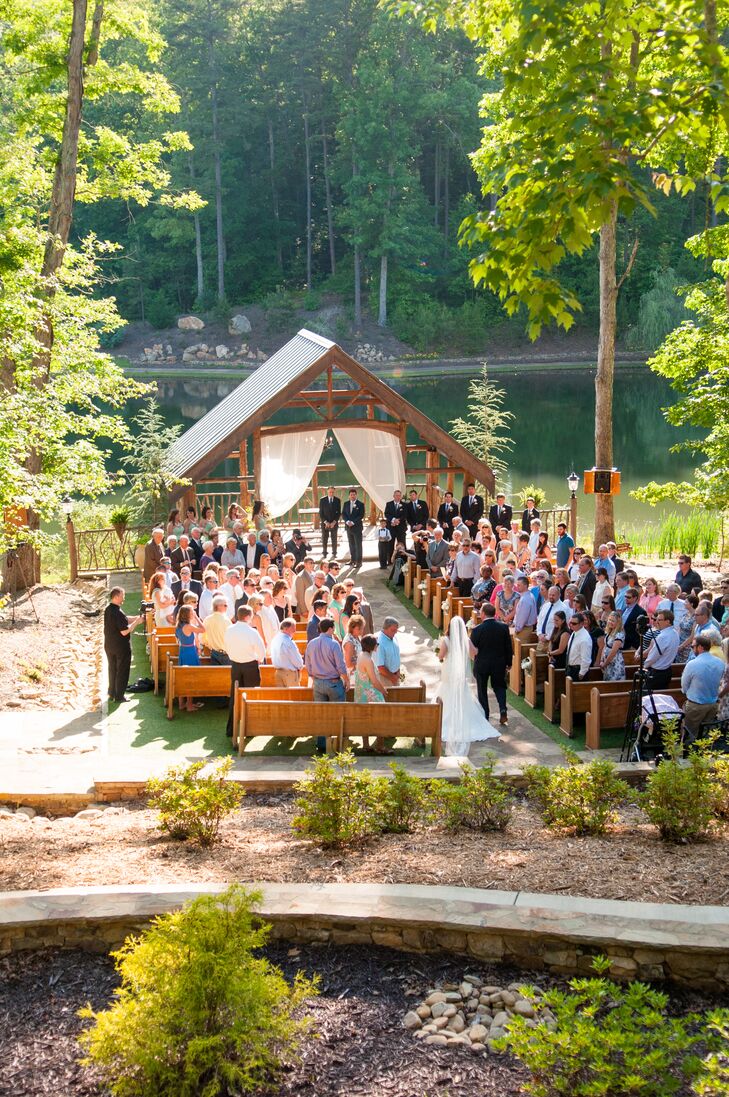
560 934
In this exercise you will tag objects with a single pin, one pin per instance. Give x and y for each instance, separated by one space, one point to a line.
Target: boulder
411 1020
190 323
221 351
261 356
28 812
239 324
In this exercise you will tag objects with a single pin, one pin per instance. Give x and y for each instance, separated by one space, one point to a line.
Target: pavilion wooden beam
331 424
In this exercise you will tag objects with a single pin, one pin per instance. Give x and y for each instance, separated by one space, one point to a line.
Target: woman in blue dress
187 630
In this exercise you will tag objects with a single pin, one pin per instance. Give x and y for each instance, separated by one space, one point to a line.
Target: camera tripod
14 564
638 691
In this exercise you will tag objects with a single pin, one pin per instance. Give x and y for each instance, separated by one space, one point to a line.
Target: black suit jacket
197 548
182 556
417 513
492 641
586 586
503 519
471 513
396 510
447 515
632 639
354 512
299 551
330 511
194 588
527 517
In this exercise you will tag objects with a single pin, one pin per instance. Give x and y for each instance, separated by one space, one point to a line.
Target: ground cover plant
583 798
199 1012
681 795
192 803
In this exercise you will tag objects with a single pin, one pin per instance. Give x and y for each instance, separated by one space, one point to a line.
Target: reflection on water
552 431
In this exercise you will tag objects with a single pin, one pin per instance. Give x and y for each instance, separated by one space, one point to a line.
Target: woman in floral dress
611 660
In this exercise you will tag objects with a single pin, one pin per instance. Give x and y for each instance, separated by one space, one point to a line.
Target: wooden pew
535 676
162 642
394 695
335 720
610 710
554 685
417 592
521 650
208 680
409 577
439 596
576 697
456 606
431 585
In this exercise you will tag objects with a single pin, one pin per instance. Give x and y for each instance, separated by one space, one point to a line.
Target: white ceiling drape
375 458
287 466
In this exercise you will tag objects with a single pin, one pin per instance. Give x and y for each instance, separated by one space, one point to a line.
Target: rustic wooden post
244 493
257 461
373 505
72 550
315 496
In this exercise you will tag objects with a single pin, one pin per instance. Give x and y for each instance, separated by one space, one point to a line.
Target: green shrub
311 300
401 801
678 797
583 798
159 308
480 802
197 1013
531 491
119 516
337 805
191 805
720 788
609 1041
713 1078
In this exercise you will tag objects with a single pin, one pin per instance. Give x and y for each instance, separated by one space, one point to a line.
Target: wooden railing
99 551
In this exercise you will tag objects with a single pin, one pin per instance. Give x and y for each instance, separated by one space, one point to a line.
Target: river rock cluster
473 1014
368 352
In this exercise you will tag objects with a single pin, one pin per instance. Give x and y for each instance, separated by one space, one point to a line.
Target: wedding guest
207 598
162 599
688 580
153 553
285 656
336 609
326 669
370 685
565 547
318 613
352 605
542 553
701 682
506 601
525 612
351 645
388 652
466 569
612 663
246 652
216 625
558 641
578 656
661 654
187 631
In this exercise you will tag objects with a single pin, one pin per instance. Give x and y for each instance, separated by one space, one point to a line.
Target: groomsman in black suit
447 514
472 509
330 511
353 514
528 514
186 584
416 512
395 521
196 544
500 514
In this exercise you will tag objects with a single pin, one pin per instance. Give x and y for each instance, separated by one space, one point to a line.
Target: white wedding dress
463 718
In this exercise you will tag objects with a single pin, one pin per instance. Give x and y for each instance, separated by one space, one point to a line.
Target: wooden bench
439 596
535 676
305 694
408 578
336 719
610 710
161 642
208 680
431 585
576 697
456 606
420 574
521 649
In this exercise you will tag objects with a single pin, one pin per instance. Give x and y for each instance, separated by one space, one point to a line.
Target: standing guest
352 645
613 555
597 635
471 510
558 641
326 669
661 654
717 608
578 656
196 546
574 569
523 553
304 579
564 548
447 514
175 524
370 687
118 629
684 625
249 588
318 613
186 584
467 569
153 553
688 580
604 561
162 599
384 544
536 529
388 652
704 625
612 663
280 595
605 607
298 546
165 567
506 601
234 515
621 587
529 514
255 604
630 615
269 617
336 609
207 557
561 580
330 513
276 549
436 555
673 602
246 652
700 682
251 554
542 553
483 588
334 568
187 631
353 514
416 513
492 650
352 608
514 532
551 606
216 625
396 523
259 515
500 513
315 589
587 580
525 613
207 520
722 713
231 590
285 656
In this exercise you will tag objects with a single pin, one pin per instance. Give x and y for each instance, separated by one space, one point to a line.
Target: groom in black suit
491 641
330 511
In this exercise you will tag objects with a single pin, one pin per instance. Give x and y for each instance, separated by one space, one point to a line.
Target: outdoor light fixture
573 482
67 506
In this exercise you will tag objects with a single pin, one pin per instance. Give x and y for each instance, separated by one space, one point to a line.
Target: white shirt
243 644
205 605
250 555
231 595
579 650
574 573
602 590
312 593
269 620
545 620
677 608
662 652
534 541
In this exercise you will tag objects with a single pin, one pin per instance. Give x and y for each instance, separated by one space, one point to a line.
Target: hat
296 533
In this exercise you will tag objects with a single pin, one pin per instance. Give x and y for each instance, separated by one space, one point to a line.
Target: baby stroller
656 710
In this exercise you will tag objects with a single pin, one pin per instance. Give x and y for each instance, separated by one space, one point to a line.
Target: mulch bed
361 1048
123 846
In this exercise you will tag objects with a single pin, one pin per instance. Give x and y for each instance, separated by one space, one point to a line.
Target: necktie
546 619
569 649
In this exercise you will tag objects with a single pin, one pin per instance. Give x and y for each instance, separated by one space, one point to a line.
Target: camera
642 625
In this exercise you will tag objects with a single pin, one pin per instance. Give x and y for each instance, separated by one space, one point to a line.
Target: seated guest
661 654
246 651
333 570
574 568
579 603
689 581
232 556
452 553
318 613
700 682
558 641
466 569
514 533
186 583
208 596
304 578
285 656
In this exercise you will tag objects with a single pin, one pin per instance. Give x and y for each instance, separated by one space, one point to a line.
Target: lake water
552 430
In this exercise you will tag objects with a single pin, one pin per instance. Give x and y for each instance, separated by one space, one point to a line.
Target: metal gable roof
293 359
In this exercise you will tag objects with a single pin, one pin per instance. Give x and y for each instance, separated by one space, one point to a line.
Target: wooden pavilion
332 390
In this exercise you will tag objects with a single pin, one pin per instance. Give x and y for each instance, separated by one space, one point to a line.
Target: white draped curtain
375 458
287 466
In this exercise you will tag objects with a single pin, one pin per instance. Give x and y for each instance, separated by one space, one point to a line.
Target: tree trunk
307 160
198 239
604 512
330 212
446 196
274 194
436 184
219 237
357 265
382 313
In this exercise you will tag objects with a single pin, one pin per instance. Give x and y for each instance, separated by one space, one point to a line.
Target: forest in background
331 146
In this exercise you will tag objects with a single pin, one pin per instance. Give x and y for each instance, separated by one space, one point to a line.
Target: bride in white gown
463 718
